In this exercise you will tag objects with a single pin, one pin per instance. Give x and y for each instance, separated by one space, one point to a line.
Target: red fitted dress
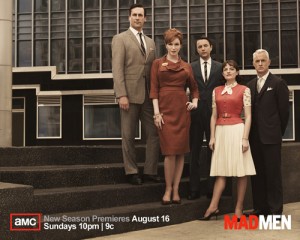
168 82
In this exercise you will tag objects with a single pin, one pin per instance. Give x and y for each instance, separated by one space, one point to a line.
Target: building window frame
104 100
47 102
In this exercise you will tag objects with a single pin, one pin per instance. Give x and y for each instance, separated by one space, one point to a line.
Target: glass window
233 31
75 37
41 5
270 35
58 48
289 132
49 117
215 28
102 121
109 29
24 6
197 25
161 24
251 31
288 15
41 53
24 37
58 55
24 53
41 33
92 36
18 121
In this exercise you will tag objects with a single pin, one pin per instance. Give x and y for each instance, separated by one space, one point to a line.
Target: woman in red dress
169 77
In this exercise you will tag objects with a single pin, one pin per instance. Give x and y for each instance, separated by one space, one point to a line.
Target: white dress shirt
136 34
261 81
208 67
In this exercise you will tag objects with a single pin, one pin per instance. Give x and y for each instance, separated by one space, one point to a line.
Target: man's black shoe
193 195
254 212
134 179
152 178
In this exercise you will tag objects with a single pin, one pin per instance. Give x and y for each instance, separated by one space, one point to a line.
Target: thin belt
228 115
171 89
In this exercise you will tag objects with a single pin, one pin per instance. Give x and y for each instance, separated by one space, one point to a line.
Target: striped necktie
142 44
205 72
260 82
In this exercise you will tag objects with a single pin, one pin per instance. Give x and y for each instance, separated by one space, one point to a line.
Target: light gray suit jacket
130 67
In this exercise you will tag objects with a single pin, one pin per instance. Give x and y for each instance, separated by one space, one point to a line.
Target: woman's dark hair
137 5
234 64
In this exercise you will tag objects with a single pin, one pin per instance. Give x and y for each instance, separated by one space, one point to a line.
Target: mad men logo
271 222
25 222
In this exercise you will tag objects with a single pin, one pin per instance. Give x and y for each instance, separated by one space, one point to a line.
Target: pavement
214 230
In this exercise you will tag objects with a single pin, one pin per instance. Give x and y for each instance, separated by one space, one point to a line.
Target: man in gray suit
132 56
208 74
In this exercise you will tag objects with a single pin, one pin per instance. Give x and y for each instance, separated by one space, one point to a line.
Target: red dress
168 82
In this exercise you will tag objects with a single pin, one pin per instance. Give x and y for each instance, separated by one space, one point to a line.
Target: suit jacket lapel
198 74
265 86
212 71
134 39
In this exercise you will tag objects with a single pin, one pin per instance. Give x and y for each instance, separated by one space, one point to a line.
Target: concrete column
6 73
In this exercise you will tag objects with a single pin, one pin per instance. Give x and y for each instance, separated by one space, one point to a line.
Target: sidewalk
214 230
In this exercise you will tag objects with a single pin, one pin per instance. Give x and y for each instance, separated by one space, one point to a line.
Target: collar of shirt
208 61
136 34
264 77
228 88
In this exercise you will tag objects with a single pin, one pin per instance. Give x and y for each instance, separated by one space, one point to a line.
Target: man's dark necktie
142 44
205 72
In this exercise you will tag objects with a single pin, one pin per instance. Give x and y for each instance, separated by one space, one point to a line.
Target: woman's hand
212 144
191 106
245 144
158 120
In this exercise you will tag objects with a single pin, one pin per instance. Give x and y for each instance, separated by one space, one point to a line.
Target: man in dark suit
270 113
132 56
208 74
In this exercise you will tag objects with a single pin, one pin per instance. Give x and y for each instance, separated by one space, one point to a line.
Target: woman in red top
229 138
169 77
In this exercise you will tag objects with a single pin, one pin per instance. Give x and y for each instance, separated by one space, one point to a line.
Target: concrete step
127 218
55 176
64 155
100 196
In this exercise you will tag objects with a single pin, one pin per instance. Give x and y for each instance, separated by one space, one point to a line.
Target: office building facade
62 78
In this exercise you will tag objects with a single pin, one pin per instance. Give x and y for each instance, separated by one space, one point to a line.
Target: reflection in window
103 122
75 37
215 28
290 130
270 30
24 56
255 22
233 31
109 29
251 31
49 117
24 36
41 33
58 35
288 33
58 55
92 36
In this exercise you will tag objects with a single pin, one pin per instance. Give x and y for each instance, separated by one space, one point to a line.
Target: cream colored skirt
228 158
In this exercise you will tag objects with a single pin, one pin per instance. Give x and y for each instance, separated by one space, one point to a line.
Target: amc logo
25 221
